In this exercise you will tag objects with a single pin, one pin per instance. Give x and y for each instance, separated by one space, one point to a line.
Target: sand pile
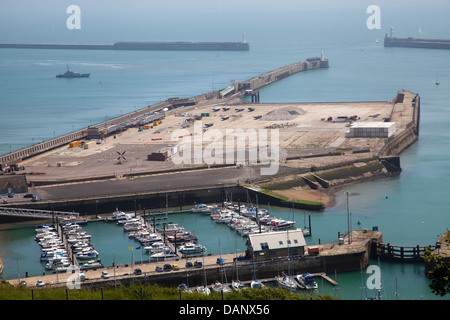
286 113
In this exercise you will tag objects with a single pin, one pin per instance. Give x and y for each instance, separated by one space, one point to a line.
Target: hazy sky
28 17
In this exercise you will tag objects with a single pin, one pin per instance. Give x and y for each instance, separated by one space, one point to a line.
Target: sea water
409 209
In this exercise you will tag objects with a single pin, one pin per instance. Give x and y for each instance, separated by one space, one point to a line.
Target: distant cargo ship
180 46
71 74
391 41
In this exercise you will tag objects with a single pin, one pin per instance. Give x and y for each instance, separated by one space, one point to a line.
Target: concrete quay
333 258
171 103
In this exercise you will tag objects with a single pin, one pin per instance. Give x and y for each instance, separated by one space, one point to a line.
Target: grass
146 292
286 199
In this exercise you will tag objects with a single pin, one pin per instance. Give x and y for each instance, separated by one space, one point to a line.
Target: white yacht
219 287
286 282
203 289
201 208
164 255
192 248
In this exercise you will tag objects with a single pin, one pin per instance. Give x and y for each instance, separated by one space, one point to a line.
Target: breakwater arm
416 43
179 46
124 121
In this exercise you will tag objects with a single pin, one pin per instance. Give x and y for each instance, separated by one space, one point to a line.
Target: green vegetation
286 184
351 172
440 274
286 199
146 292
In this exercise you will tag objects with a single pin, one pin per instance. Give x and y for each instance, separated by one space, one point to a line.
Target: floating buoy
386 197
359 222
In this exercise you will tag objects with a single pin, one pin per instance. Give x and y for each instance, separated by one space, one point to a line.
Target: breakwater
416 43
240 88
179 46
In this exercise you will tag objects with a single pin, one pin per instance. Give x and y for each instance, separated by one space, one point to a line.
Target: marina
407 208
208 263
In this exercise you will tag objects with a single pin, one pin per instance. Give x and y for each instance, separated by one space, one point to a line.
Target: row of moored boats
55 253
153 242
292 283
244 220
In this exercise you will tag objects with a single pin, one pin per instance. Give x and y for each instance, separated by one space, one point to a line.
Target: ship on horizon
71 74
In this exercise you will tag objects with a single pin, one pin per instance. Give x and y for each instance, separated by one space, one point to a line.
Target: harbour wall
178 46
247 270
171 103
281 73
396 144
416 43
158 201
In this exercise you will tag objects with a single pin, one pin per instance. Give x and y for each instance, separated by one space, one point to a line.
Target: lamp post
348 220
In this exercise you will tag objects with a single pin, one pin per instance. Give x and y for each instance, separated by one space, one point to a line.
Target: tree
440 272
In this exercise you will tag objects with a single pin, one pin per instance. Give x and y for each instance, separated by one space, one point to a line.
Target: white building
277 243
371 130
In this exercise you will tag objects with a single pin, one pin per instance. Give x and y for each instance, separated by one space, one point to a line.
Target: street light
348 220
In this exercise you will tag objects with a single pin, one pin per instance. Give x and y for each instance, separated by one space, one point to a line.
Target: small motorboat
306 281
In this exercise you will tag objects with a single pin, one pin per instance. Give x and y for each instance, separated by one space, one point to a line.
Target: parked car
189 264
105 275
137 271
40 283
198 264
167 267
175 267
220 261
159 269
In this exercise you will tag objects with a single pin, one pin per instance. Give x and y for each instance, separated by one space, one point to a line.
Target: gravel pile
286 113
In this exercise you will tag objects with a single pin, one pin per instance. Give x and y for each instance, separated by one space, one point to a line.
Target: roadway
153 183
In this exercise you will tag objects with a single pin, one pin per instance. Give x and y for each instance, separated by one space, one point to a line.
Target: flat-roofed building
371 130
276 244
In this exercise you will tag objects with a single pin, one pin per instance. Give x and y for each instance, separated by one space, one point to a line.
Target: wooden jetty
389 252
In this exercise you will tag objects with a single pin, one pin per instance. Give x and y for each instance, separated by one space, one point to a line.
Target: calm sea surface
410 209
